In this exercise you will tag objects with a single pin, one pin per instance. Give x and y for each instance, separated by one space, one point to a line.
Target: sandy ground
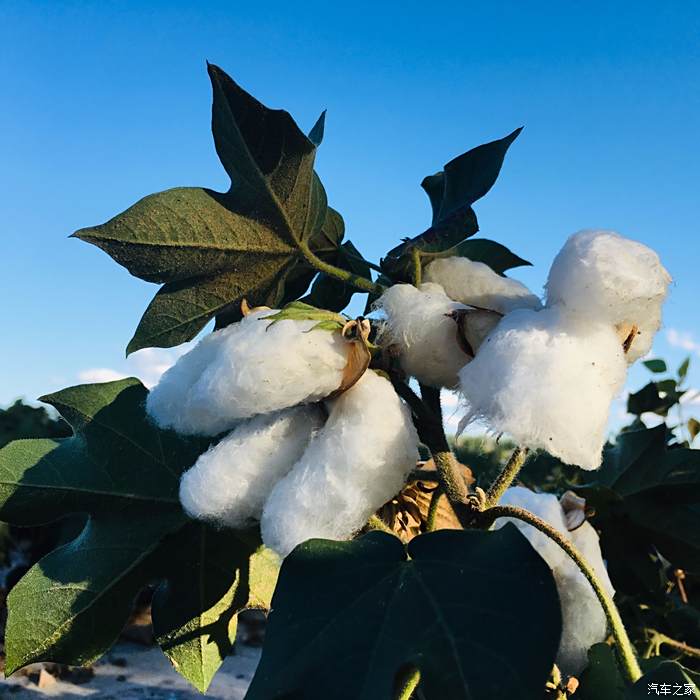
134 672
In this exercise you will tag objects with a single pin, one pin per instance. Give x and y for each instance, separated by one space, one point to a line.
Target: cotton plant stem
625 649
506 477
433 509
408 685
450 477
417 268
344 275
445 461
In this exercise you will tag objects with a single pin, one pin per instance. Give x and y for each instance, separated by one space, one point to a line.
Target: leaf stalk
357 281
625 650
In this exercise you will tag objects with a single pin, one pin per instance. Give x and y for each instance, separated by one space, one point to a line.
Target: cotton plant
262 461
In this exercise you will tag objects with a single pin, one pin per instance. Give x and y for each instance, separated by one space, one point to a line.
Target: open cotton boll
229 483
548 381
604 276
583 619
476 284
254 366
352 466
417 323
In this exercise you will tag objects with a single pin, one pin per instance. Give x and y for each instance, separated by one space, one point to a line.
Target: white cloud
99 374
148 365
683 340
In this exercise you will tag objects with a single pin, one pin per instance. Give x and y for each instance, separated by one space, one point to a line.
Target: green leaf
195 617
123 473
334 294
452 192
669 674
656 366
444 604
648 497
601 679
496 256
655 397
468 177
316 133
683 369
210 249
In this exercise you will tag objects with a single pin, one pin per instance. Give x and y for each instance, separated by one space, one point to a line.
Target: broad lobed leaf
211 249
122 471
443 604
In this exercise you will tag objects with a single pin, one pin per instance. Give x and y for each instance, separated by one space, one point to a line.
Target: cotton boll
548 381
353 465
254 366
583 618
417 322
229 483
476 284
605 277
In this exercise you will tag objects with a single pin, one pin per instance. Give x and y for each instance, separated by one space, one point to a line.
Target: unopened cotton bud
583 618
603 276
476 284
352 466
229 483
254 366
548 381
418 323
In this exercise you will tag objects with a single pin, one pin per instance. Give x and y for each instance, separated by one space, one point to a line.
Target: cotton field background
351 352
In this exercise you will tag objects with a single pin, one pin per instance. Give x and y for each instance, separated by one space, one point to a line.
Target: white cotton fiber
583 619
476 284
247 368
547 381
229 483
417 323
605 277
353 465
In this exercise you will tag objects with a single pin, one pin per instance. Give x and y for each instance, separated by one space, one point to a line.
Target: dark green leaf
669 674
444 604
655 397
683 369
601 679
211 249
656 366
316 133
470 176
649 496
123 472
452 192
496 256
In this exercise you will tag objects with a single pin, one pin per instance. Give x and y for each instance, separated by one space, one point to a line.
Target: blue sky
105 102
